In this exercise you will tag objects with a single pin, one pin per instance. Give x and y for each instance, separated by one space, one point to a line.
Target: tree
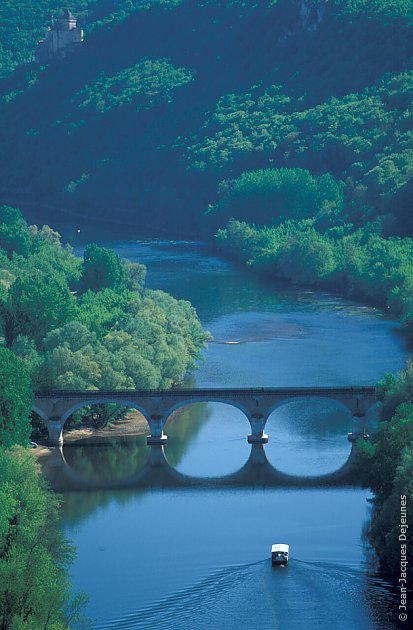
273 195
394 391
100 310
37 302
15 400
135 275
34 556
387 467
102 268
306 258
14 232
385 526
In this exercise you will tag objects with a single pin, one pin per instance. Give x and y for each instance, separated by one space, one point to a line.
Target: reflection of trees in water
121 457
182 428
116 459
77 506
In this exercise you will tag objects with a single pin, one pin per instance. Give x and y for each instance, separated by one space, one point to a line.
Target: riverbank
357 264
134 423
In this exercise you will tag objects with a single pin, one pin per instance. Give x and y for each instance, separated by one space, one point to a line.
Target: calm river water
199 558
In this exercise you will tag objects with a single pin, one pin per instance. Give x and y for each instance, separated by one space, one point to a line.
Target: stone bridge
156 406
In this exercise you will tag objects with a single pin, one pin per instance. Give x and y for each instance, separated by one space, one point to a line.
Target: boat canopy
278 548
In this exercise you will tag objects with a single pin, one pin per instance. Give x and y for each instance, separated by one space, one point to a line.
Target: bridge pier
55 429
257 435
157 436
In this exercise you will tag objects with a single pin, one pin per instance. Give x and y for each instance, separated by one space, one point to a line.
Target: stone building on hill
62 37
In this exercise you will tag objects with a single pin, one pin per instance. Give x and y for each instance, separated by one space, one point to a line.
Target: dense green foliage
142 85
15 400
387 467
391 8
272 195
34 588
124 8
317 86
91 325
364 138
359 263
37 302
101 269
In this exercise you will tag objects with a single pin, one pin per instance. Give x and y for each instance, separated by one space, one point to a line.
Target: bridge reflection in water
158 473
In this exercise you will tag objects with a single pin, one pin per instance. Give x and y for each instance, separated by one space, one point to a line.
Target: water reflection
116 458
309 437
157 472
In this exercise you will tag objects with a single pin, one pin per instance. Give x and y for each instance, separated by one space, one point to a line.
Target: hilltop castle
62 37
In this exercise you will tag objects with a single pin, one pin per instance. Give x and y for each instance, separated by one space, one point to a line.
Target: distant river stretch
199 558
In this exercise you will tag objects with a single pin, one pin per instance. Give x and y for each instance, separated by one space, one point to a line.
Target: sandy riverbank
133 424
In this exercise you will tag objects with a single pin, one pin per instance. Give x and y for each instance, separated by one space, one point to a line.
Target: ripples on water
260 597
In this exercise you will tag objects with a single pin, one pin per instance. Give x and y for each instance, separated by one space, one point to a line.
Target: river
198 558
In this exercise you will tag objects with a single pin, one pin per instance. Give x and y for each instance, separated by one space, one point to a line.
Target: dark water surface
199 558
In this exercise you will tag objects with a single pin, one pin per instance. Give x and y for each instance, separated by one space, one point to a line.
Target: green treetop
102 268
15 400
37 302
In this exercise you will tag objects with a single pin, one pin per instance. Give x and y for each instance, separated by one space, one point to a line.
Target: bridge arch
292 399
309 437
103 401
207 440
206 399
40 413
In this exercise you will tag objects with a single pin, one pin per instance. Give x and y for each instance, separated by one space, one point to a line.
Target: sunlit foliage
364 138
147 82
271 196
91 325
15 400
35 591
360 263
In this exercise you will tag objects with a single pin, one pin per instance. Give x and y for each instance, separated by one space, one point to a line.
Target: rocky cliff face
312 13
307 17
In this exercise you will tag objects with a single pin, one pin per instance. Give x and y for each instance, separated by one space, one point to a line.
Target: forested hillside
168 101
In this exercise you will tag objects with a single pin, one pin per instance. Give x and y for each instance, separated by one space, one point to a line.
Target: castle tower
62 37
67 22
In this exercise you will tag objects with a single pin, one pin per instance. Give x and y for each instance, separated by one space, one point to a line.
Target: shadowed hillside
166 99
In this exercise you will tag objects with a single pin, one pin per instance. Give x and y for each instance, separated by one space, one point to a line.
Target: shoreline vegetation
68 324
358 264
300 240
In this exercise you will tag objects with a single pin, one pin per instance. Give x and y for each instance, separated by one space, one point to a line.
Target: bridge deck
238 391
